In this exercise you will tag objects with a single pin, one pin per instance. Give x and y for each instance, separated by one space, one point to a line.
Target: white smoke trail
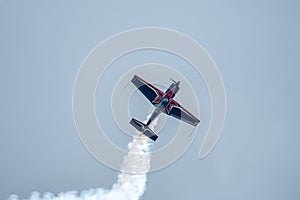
130 186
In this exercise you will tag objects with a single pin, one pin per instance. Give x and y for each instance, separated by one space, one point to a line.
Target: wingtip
135 76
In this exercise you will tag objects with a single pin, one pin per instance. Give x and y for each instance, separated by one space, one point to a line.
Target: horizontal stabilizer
140 126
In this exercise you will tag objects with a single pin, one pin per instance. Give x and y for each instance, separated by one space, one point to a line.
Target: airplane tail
140 126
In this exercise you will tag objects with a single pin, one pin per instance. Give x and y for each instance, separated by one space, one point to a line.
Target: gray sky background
255 44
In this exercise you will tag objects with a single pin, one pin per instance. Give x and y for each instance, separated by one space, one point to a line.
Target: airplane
164 103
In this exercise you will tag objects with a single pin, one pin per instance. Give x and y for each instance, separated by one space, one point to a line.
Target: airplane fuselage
161 103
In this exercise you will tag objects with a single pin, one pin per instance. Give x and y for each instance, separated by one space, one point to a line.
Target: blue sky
255 45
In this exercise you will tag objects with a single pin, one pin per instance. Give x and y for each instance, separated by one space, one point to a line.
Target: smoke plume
130 186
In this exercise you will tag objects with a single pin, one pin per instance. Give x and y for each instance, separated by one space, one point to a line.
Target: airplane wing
149 90
176 110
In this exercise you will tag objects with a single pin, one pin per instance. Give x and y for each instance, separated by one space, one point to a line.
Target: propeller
173 80
176 82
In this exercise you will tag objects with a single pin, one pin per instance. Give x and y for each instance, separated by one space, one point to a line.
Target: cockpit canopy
164 101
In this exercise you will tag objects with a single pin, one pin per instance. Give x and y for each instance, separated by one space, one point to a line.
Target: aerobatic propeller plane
164 103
